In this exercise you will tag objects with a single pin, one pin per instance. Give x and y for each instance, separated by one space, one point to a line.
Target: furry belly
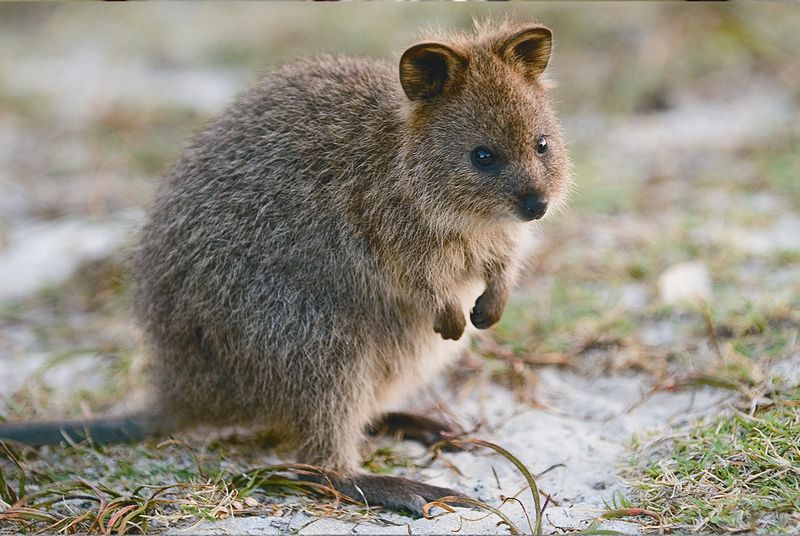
432 355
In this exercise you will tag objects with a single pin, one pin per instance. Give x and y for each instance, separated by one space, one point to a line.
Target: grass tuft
124 498
535 529
733 472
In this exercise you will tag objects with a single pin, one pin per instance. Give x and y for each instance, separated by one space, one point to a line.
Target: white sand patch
95 75
84 372
705 124
40 254
782 234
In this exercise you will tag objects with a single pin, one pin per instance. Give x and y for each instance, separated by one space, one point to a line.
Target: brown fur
304 252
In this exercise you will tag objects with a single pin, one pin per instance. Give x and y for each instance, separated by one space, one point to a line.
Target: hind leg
333 445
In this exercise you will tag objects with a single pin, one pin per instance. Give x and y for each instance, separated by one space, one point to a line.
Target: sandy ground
582 434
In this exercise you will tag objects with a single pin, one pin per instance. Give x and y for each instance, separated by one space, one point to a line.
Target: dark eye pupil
541 145
483 157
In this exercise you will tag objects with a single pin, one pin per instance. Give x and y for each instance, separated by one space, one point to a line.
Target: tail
103 430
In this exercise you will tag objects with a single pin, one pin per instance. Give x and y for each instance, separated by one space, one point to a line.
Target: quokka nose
533 207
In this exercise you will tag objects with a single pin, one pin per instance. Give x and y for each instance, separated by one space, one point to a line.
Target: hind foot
395 493
419 428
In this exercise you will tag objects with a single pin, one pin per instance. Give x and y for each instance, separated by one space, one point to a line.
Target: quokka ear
431 70
529 49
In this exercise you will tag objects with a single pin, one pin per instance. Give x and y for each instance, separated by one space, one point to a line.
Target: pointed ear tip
539 30
537 36
418 47
428 47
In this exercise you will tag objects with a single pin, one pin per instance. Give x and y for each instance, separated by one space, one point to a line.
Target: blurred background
682 121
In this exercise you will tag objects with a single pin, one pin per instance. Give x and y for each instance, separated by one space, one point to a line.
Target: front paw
450 324
487 311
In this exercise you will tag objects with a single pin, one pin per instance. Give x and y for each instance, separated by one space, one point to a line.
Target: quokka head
484 145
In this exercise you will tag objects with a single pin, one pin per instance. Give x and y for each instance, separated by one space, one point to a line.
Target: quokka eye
483 158
541 144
